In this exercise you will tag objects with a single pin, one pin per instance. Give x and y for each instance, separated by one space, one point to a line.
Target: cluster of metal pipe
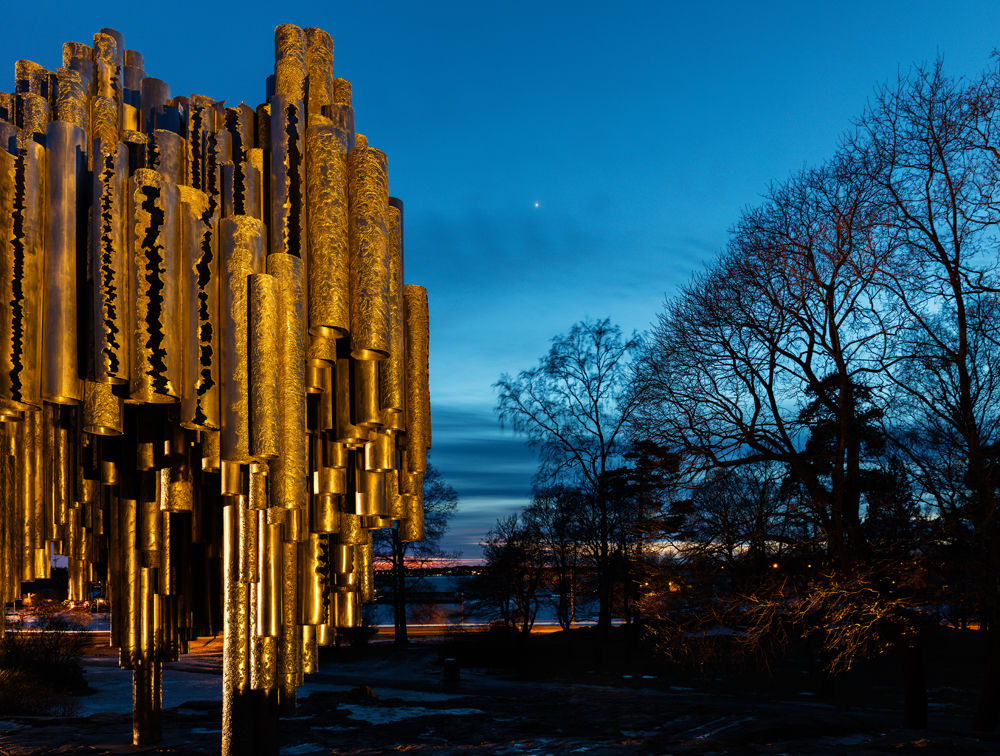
213 381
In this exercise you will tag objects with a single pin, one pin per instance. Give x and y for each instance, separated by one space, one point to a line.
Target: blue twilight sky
556 160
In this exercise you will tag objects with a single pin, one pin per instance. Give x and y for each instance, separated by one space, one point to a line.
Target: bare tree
929 143
513 573
440 505
573 409
781 353
553 514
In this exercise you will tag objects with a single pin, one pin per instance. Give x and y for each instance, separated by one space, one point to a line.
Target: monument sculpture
213 380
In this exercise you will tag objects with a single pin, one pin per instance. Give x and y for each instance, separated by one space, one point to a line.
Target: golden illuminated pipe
289 62
129 574
346 431
326 513
412 528
66 169
157 332
289 655
102 409
211 461
394 501
345 608
249 568
329 250
392 370
169 156
258 486
236 713
242 254
104 124
341 113
366 409
110 273
312 581
288 186
200 241
106 67
380 453
288 470
365 566
369 253
21 257
177 487
418 409
71 99
269 606
319 69
265 362
242 190
239 122
200 123
26 493
35 116
310 650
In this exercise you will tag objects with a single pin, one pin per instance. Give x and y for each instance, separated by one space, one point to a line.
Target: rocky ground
395 700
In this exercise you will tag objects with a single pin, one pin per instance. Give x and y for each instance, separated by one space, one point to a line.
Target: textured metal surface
242 255
157 330
22 182
200 242
288 470
329 249
175 276
369 253
288 176
418 408
110 273
392 370
66 170
265 360
103 410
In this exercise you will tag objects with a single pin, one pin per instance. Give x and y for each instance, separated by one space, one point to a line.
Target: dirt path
397 701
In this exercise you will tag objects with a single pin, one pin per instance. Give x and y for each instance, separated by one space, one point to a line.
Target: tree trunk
399 571
914 683
988 710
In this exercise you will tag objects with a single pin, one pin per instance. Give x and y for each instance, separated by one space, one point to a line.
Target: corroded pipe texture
418 409
329 251
200 241
242 190
110 274
288 471
369 253
288 176
319 69
103 410
157 331
22 202
391 370
290 61
242 255
265 356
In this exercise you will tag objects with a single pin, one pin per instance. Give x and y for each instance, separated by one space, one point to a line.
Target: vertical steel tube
112 324
157 288
242 245
265 362
22 203
66 169
199 234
